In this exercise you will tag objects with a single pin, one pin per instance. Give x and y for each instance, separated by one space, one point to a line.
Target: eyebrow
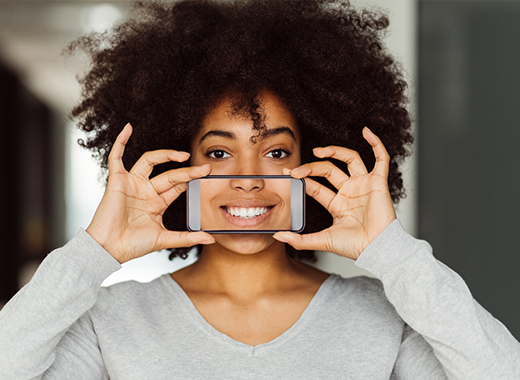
266 133
278 131
218 133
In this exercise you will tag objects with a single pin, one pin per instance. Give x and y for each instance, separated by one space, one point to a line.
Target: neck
243 276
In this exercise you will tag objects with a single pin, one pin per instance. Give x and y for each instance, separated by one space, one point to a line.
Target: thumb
200 238
311 242
174 239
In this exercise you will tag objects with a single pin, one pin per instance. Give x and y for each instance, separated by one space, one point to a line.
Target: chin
246 244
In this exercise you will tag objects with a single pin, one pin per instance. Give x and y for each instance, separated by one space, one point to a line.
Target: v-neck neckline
318 297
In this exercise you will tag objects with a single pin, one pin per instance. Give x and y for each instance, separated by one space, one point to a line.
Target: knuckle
314 190
171 179
151 157
329 171
383 157
355 154
146 155
324 168
181 239
149 162
179 188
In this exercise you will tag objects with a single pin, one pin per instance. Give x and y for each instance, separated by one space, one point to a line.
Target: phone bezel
193 196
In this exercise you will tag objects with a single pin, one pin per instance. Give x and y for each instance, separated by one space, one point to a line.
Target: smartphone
227 204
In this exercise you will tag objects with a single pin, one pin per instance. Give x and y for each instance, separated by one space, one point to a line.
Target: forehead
223 118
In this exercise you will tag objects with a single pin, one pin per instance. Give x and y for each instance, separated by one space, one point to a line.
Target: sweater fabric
418 320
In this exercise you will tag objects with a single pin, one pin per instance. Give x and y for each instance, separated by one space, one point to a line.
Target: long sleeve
437 304
35 320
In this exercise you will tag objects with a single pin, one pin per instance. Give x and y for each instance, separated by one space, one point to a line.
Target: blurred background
461 61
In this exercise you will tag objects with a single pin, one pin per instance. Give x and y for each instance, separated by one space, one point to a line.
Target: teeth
246 212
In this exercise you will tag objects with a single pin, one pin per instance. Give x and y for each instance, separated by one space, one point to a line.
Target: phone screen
246 204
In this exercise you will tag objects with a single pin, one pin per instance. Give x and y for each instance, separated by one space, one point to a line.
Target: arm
78 355
35 320
416 359
436 303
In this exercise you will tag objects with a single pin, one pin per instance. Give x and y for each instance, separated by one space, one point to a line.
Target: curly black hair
167 65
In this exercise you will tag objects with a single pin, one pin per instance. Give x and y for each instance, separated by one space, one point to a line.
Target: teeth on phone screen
249 212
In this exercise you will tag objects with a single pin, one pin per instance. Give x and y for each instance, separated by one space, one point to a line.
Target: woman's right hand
128 222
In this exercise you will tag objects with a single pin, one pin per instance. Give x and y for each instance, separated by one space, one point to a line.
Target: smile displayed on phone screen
238 204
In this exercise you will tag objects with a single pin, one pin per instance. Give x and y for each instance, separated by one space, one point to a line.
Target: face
224 141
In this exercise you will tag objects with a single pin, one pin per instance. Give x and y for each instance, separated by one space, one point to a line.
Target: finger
144 166
356 167
382 157
180 239
322 194
312 242
115 158
167 180
172 194
326 169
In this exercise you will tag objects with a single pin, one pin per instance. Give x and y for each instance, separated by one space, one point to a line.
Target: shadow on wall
469 207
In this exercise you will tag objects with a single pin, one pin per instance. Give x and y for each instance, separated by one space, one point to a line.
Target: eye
218 154
278 154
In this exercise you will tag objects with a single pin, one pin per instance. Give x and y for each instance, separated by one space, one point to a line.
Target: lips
247 215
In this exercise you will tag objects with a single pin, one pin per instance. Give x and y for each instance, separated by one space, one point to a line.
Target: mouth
246 212
242 217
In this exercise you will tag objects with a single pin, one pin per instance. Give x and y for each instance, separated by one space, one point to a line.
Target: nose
247 184
247 166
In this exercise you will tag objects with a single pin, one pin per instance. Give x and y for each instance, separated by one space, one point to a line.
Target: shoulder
363 294
356 312
353 285
129 294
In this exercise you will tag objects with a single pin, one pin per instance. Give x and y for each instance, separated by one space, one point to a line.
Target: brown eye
278 154
218 154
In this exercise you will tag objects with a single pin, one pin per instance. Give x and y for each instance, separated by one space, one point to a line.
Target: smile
247 212
247 217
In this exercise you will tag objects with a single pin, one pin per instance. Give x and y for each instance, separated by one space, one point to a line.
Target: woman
249 89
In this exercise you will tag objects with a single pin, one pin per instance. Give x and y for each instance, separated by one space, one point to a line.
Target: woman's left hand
361 208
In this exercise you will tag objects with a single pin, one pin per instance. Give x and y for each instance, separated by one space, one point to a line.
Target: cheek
295 159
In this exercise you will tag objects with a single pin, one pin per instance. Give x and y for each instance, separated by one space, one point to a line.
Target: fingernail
204 170
209 241
296 169
281 239
184 156
318 147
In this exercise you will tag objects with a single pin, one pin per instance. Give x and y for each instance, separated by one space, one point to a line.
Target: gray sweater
418 321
